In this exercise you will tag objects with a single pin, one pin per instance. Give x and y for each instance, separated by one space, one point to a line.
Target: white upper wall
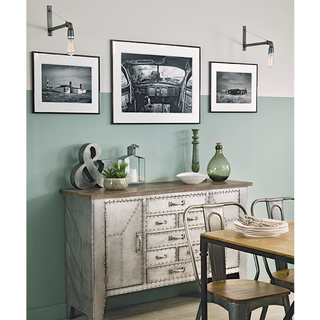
213 25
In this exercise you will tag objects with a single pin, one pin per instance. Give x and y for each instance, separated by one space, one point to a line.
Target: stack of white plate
253 227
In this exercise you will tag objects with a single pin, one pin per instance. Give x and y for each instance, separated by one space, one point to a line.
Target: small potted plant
115 177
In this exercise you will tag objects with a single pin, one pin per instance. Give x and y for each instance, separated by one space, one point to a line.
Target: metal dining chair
238 296
283 276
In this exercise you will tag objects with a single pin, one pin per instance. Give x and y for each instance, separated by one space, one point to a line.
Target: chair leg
290 312
248 316
263 313
199 313
238 311
286 303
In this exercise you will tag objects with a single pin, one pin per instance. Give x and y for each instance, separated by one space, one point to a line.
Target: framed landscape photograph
66 84
155 83
233 87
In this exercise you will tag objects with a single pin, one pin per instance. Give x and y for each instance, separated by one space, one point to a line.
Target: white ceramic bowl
191 177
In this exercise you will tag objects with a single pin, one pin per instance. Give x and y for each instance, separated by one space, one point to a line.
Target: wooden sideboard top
154 188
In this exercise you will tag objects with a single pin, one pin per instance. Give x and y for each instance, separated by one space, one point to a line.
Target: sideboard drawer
194 218
160 222
184 252
161 256
178 202
172 238
165 239
169 272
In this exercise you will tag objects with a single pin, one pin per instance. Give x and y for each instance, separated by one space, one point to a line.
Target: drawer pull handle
176 238
192 218
161 222
176 270
162 257
139 247
181 203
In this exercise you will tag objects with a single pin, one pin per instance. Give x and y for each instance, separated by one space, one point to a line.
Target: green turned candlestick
195 167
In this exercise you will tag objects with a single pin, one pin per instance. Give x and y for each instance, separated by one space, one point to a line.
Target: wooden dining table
280 248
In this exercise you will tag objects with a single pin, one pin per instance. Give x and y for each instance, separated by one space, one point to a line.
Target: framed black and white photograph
233 87
155 83
66 84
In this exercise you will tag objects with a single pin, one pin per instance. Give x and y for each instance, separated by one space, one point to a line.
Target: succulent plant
116 170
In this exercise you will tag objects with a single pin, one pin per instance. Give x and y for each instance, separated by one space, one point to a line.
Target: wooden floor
179 308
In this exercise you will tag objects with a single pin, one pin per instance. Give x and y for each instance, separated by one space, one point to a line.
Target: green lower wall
259 147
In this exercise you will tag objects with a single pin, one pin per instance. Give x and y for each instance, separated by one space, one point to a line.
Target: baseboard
48 313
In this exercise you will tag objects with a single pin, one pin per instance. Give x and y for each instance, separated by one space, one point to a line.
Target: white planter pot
115 183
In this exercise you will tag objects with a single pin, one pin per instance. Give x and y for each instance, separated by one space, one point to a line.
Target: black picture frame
155 83
233 87
66 84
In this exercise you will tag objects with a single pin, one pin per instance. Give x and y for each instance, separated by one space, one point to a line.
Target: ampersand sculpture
88 154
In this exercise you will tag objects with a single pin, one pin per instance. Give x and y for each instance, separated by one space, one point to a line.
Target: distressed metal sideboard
132 240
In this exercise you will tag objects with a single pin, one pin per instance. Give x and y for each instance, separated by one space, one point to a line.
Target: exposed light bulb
270 61
70 35
71 48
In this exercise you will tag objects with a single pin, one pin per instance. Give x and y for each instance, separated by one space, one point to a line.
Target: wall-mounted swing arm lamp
67 24
270 61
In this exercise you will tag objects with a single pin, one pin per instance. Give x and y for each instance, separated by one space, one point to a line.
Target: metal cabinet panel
228 195
124 248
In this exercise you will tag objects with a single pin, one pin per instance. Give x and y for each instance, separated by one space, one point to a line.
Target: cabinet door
124 243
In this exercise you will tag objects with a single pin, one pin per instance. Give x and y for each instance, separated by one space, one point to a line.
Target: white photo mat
66 62
119 47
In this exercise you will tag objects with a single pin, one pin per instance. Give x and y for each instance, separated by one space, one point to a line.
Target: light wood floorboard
182 307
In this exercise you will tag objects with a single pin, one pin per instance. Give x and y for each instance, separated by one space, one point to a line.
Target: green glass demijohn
218 168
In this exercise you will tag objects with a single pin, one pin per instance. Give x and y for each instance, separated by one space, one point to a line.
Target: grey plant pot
115 183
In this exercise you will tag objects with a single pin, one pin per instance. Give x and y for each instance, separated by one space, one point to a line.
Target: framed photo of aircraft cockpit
155 83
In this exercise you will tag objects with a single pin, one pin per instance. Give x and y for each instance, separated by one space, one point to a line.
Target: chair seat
285 276
243 291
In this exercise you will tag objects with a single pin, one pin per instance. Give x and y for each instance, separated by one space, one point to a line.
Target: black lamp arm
67 24
245 44
269 43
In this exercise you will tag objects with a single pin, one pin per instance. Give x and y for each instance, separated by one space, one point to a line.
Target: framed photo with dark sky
233 87
66 84
155 83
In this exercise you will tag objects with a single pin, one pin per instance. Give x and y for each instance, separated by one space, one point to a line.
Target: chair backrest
275 210
274 207
213 216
